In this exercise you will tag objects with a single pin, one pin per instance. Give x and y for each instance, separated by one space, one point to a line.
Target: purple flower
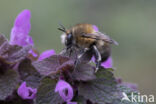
106 64
46 54
65 90
20 34
26 92
95 28
20 31
33 53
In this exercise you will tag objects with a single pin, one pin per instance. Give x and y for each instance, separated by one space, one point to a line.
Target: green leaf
29 74
101 90
46 92
8 83
84 72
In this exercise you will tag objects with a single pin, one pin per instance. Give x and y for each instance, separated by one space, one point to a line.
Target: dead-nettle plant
27 77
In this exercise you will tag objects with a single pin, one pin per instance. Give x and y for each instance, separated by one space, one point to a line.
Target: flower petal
65 90
108 63
20 31
95 28
32 93
26 92
46 54
33 53
23 91
23 21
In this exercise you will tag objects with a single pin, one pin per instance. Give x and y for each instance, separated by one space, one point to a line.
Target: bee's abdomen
105 52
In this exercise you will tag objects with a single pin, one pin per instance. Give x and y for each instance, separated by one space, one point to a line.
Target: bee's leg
79 56
68 48
70 52
97 57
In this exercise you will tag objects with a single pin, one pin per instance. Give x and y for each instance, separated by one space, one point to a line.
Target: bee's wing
100 36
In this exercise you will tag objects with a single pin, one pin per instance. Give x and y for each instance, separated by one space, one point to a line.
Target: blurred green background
130 22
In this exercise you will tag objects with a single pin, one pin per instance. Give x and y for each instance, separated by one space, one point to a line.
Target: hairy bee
87 38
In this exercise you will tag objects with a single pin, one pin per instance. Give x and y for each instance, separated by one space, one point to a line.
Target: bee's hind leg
97 57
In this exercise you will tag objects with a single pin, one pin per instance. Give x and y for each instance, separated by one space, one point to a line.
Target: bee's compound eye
69 39
69 36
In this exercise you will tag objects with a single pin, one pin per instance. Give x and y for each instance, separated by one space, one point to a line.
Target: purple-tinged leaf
16 53
46 92
51 65
12 54
81 100
8 82
29 74
128 91
100 90
68 65
72 103
3 41
84 72
132 86
15 99
4 47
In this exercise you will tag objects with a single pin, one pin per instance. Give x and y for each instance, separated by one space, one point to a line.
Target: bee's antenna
62 28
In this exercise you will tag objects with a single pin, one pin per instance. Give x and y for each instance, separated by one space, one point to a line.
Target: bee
87 38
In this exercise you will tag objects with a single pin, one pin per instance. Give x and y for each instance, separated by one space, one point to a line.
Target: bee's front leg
97 57
80 56
68 49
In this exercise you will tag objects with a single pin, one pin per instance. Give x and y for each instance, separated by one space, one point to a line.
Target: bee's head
69 39
66 36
